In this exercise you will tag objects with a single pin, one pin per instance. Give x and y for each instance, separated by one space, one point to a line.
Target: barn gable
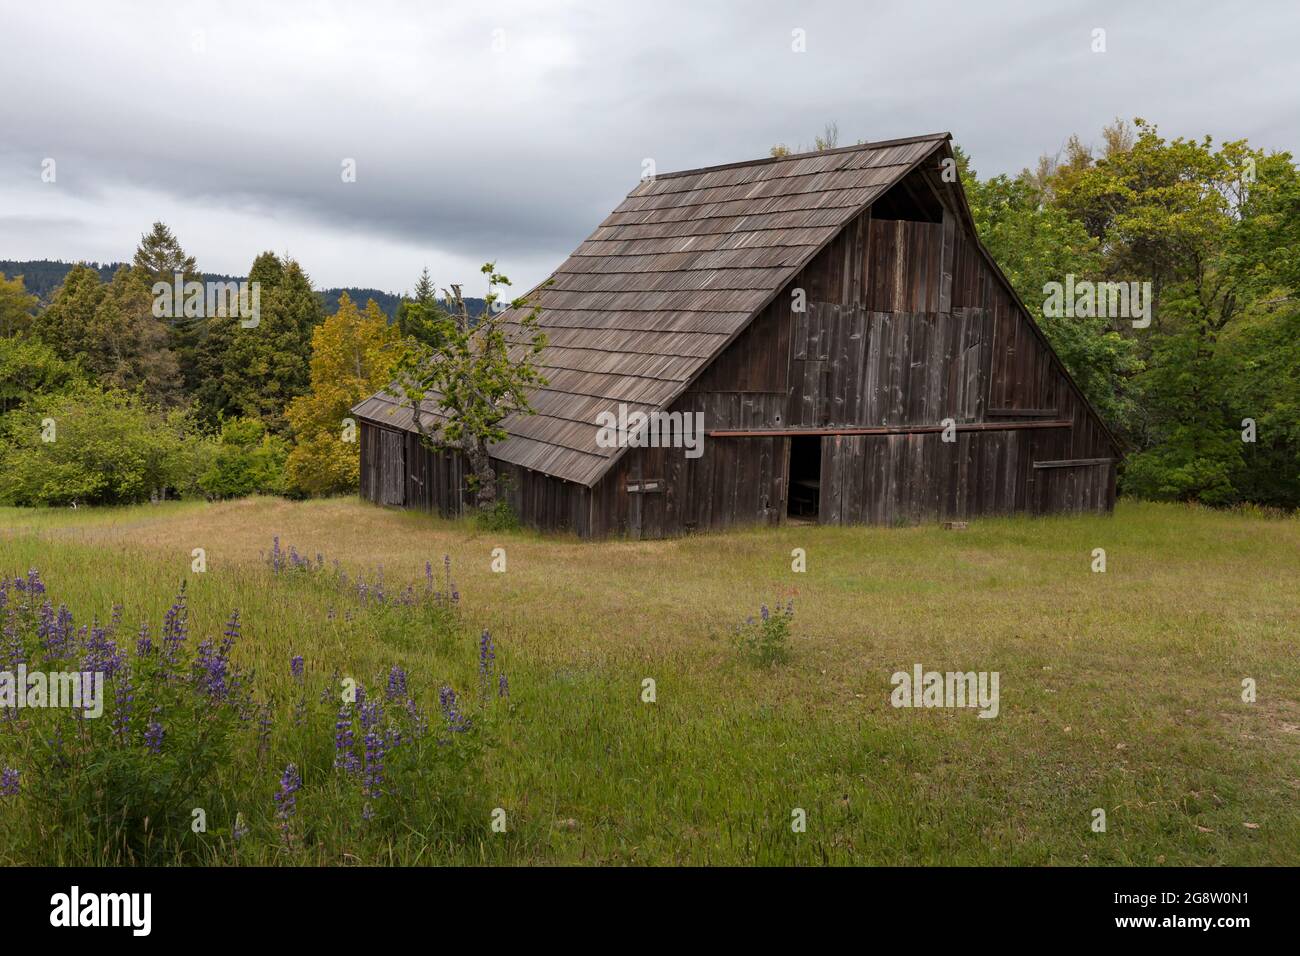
683 299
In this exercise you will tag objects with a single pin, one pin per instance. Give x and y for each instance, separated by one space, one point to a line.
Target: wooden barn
855 352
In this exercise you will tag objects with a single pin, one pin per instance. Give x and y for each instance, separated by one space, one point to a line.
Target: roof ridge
766 160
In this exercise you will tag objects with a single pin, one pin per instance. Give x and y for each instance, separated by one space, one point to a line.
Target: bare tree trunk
485 476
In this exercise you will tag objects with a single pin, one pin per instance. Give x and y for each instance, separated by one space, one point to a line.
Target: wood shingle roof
670 277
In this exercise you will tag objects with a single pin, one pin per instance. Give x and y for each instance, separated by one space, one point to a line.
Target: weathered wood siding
905 325
397 468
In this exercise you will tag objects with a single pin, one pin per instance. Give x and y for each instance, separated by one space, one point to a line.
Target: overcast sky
508 130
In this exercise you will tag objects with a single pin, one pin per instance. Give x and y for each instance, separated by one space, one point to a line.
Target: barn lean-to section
684 299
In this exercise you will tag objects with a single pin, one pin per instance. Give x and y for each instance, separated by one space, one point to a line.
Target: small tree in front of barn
477 370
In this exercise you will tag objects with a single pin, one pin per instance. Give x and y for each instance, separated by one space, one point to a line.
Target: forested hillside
42 278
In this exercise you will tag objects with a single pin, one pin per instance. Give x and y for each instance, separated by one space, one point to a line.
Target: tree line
1204 391
102 401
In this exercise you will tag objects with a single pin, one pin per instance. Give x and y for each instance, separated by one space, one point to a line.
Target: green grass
1119 690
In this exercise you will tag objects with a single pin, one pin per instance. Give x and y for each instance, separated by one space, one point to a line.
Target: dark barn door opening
804 486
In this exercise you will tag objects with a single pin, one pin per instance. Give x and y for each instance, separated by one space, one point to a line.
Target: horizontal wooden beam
1022 412
886 429
1073 463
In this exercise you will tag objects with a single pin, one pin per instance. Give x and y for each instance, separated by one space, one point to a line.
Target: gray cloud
233 120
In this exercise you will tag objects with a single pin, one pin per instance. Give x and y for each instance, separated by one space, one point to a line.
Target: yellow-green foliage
352 357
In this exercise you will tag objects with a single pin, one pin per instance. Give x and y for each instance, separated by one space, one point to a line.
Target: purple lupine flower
210 671
345 757
123 703
428 577
296 666
16 653
153 737
457 722
46 631
101 653
396 683
503 686
418 719
35 585
175 627
764 612
143 643
9 782
286 801
372 779
240 829
62 637
487 656
231 633
277 558
264 730
370 714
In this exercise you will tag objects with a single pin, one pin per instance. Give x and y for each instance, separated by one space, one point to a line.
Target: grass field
1119 690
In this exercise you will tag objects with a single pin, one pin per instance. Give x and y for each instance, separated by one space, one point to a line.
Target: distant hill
42 278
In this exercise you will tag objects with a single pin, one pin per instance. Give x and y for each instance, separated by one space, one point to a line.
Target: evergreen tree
158 258
414 311
255 371
110 331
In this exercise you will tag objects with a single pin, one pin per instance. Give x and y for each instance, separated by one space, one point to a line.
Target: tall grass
1120 691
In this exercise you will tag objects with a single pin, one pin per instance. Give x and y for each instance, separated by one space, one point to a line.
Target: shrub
89 446
766 640
245 460
499 517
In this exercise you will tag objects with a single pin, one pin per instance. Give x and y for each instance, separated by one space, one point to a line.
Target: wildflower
264 730
210 671
143 644
153 737
175 627
240 829
371 713
373 775
457 722
396 683
345 758
296 666
418 719
503 686
487 656
9 782
123 703
286 801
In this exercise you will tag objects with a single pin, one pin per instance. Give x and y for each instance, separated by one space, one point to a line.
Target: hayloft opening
911 199
805 479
